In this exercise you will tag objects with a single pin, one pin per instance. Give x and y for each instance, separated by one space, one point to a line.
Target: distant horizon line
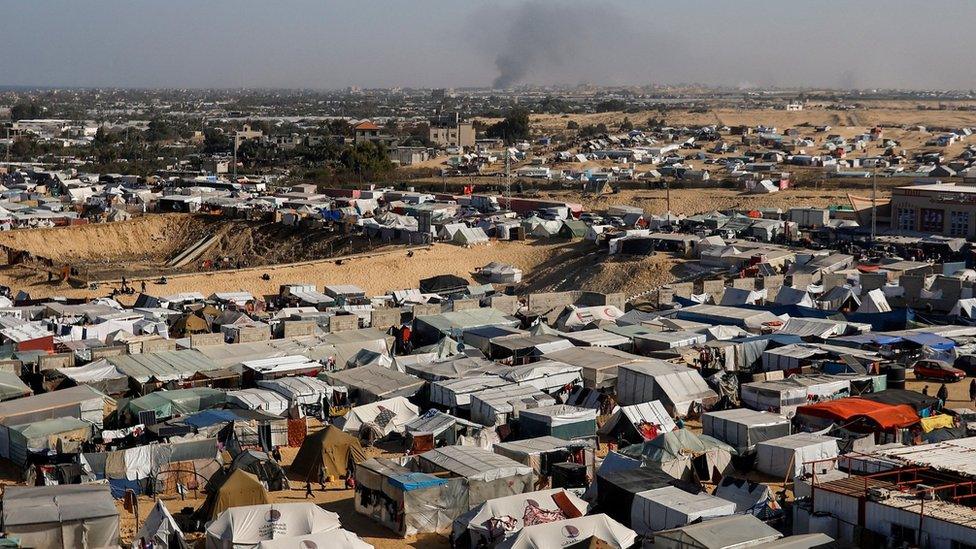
524 87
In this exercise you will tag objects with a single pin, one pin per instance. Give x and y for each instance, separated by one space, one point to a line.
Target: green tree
215 141
514 127
626 125
25 110
572 125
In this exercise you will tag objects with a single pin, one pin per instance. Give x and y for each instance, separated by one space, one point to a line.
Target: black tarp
902 396
616 489
443 284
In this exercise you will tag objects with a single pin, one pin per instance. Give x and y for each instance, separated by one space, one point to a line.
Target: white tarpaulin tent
265 400
476 522
386 416
739 296
546 375
568 532
679 388
964 307
671 507
333 539
454 393
636 416
497 405
788 295
730 532
61 516
160 529
249 525
784 457
874 302
742 428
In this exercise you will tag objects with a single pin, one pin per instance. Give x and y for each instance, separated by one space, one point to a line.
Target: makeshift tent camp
616 489
435 428
742 428
166 404
61 516
730 532
379 419
564 533
669 507
559 420
80 402
784 396
486 475
61 435
679 388
313 396
248 525
501 518
99 374
237 489
752 498
542 453
638 422
599 364
160 529
265 400
785 457
260 464
331 449
546 375
684 455
374 382
497 405
456 393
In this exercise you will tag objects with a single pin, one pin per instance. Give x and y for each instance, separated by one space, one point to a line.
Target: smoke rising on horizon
537 36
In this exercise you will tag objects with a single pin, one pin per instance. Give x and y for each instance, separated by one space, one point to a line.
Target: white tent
874 302
301 389
501 273
160 529
567 532
652 413
265 400
476 522
739 296
679 388
788 295
785 457
964 308
386 416
742 428
671 507
333 539
249 525
766 186
494 407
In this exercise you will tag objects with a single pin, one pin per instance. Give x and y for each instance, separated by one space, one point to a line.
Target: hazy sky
445 43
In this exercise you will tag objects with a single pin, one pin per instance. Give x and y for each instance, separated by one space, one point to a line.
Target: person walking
972 391
925 390
943 395
322 478
308 489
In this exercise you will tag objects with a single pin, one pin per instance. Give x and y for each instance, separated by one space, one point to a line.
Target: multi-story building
451 132
937 208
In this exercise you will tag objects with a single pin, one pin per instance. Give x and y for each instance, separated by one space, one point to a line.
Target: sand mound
150 236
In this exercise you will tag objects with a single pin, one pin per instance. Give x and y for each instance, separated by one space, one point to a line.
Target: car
966 363
936 369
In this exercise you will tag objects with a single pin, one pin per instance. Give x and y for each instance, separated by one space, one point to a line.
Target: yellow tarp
937 421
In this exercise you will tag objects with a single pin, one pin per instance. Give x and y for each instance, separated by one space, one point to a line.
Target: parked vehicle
966 363
936 369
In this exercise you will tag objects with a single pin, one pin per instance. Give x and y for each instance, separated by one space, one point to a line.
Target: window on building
959 224
906 219
932 221
902 534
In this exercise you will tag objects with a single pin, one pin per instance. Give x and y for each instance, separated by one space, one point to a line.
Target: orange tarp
844 410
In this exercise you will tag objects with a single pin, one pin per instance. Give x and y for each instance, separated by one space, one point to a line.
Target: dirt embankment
145 238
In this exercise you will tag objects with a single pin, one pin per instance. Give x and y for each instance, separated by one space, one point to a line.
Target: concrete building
451 132
936 208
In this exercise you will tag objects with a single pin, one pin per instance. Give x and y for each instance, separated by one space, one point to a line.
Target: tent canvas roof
472 463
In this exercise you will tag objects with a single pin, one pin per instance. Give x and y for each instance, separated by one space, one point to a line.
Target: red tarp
845 410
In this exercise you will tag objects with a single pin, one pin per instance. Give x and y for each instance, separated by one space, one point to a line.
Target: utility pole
874 205
234 172
667 195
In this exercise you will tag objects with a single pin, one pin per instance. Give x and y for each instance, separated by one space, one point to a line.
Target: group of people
943 393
